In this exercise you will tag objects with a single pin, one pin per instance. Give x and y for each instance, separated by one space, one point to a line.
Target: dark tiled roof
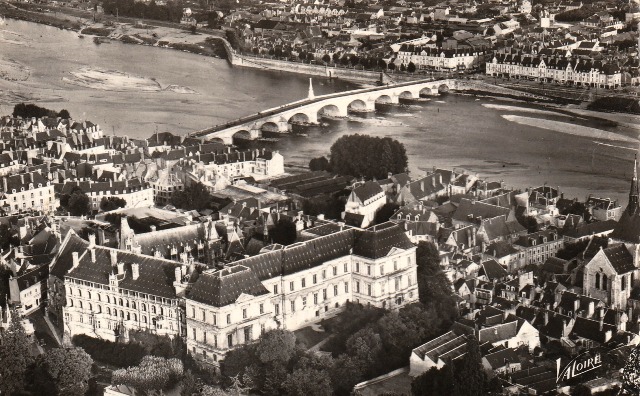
493 270
501 358
628 228
377 241
225 286
367 190
620 258
64 261
590 329
468 208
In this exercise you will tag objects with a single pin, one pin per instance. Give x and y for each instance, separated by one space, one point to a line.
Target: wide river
133 90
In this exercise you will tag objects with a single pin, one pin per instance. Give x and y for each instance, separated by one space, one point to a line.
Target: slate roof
377 241
501 358
64 260
498 332
35 275
628 228
223 287
468 208
620 258
163 240
493 270
156 275
447 346
367 190
499 227
590 329
554 265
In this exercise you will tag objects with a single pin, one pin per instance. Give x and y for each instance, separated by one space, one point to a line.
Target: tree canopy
320 163
434 288
77 203
369 157
63 371
153 374
15 355
108 204
193 197
31 110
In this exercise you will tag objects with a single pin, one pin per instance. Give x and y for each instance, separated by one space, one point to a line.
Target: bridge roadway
279 119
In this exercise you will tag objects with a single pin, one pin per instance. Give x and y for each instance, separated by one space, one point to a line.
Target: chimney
152 228
601 323
114 257
135 271
178 274
341 225
75 259
4 184
121 268
92 240
93 254
546 318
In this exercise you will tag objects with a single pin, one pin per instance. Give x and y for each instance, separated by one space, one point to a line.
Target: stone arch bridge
310 110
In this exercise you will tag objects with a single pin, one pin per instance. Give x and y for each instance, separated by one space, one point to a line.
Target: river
132 90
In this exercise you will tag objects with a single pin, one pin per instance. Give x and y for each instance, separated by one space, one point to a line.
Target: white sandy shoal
571 129
522 109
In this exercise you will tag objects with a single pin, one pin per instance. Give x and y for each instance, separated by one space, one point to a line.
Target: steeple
634 193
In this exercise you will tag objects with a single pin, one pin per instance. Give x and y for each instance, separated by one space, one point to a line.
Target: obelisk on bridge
311 94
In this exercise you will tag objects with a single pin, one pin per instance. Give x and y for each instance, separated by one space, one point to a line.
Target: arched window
604 282
126 303
71 302
90 307
120 302
99 297
99 308
135 317
80 304
133 304
161 311
115 312
144 319
122 314
89 295
597 281
80 292
153 309
144 306
108 311
108 300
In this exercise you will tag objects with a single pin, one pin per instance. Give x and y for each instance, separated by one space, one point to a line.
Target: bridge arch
329 110
216 140
242 135
443 88
269 126
357 105
406 95
384 99
299 118
427 91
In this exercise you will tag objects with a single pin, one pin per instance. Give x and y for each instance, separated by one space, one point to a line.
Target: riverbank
142 34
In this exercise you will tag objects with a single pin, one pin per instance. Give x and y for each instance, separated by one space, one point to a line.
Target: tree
434 288
435 382
153 374
391 66
319 164
366 156
403 67
346 372
528 222
193 197
630 372
31 110
64 114
411 68
108 204
310 377
63 371
15 355
469 370
191 385
78 203
365 347
577 208
7 237
326 58
284 232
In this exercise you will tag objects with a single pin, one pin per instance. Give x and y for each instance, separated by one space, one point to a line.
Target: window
215 341
315 298
261 309
275 289
324 274
357 267
345 268
291 286
397 283
276 309
369 289
368 270
230 340
228 318
409 261
597 281
346 287
304 282
604 282
324 294
194 334
357 287
304 301
247 334
315 279
193 312
382 268
215 319
244 313
293 306
335 290
335 271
